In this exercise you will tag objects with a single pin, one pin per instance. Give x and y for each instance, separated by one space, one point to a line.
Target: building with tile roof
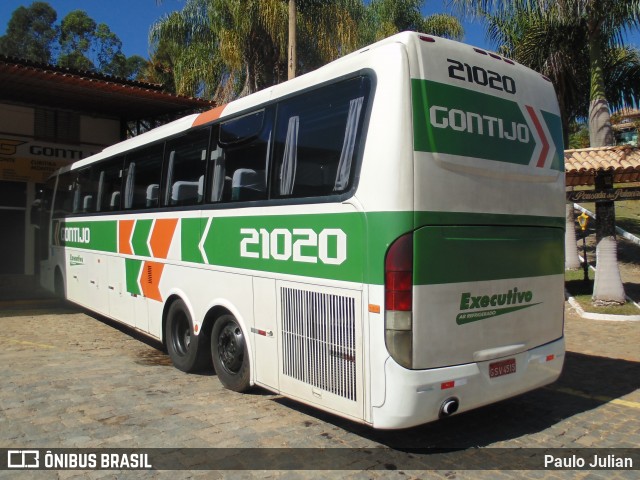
51 116
582 164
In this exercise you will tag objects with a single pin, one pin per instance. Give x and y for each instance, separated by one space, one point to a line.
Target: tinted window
317 138
63 201
240 168
185 163
109 185
242 128
142 178
85 191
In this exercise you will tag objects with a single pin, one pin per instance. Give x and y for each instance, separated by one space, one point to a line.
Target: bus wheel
229 352
188 352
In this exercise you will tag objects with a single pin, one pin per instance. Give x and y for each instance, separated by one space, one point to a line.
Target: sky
131 19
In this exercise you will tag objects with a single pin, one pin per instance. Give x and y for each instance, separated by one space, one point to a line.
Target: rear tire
230 355
188 352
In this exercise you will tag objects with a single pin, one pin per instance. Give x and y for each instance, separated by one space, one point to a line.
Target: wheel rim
181 335
231 347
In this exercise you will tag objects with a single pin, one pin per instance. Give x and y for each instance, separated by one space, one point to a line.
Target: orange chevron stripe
161 236
150 280
208 116
125 228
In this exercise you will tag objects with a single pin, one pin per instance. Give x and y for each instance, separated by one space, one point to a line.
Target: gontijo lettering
470 122
75 234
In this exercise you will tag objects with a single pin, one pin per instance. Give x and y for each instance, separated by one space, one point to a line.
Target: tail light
398 290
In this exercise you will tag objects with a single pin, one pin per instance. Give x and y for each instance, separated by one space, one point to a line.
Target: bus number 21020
299 244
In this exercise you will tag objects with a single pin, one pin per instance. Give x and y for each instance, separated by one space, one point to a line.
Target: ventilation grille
318 340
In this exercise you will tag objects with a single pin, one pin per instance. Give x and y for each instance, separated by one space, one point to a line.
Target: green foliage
31 33
223 49
578 44
578 135
387 17
78 42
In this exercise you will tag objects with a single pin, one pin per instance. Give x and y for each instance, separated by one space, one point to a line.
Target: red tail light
398 292
399 274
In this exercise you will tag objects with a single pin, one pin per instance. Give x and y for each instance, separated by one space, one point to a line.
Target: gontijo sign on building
23 159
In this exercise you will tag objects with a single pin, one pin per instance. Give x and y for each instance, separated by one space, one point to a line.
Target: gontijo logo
469 123
517 300
75 234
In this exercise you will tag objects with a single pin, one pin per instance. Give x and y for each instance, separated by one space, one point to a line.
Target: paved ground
75 380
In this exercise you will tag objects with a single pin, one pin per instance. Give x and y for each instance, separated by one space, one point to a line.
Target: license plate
503 367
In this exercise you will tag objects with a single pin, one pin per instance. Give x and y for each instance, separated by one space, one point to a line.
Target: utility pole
292 39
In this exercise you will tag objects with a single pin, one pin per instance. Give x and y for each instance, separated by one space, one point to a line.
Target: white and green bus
381 238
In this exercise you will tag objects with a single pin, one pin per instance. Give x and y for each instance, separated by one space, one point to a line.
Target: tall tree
230 48
76 37
543 42
388 17
31 33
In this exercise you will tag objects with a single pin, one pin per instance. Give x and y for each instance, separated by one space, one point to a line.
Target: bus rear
474 292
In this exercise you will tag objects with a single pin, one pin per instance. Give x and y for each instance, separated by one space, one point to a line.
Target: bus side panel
320 357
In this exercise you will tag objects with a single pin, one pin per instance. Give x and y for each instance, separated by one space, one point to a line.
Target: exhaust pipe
449 407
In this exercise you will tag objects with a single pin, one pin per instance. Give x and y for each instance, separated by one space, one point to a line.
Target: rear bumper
414 397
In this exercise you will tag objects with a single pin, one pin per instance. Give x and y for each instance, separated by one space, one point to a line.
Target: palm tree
223 49
575 40
387 17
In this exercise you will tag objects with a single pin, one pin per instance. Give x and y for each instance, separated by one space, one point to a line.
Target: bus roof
327 72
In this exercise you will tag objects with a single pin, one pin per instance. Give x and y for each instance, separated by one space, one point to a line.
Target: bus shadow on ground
586 383
22 308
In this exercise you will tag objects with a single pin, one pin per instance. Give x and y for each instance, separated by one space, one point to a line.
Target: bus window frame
207 204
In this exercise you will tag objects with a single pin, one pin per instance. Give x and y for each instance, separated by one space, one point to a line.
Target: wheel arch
59 281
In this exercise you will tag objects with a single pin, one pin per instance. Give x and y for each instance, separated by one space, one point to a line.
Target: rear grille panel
318 340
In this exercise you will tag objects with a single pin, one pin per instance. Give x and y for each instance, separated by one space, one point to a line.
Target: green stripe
191 233
458 121
100 236
223 244
140 237
132 269
467 218
554 123
472 254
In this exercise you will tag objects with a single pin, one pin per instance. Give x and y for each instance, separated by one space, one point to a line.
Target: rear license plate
503 367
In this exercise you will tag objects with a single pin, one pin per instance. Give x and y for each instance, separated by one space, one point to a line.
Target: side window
142 178
109 185
63 200
85 191
185 164
317 139
239 159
